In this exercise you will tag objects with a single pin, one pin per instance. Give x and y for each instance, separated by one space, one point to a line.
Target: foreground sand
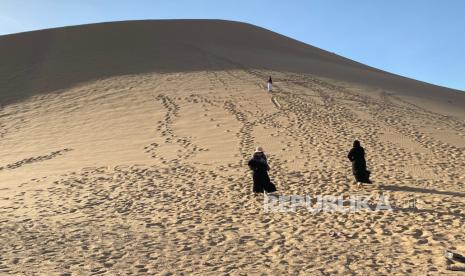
147 174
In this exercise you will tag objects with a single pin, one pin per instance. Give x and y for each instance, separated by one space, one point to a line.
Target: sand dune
124 149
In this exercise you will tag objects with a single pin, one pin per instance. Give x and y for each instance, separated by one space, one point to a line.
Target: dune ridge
53 59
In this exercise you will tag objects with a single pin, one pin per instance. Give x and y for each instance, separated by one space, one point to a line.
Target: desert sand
124 149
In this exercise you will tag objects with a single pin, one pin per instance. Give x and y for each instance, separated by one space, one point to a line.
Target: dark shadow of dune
43 61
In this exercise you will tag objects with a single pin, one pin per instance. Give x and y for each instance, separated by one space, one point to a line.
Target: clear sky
421 39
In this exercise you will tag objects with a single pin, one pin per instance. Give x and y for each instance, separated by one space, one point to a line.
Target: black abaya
261 180
359 169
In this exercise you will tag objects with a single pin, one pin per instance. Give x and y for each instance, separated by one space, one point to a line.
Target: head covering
356 143
259 149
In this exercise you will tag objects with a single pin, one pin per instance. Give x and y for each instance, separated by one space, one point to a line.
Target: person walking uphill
359 167
259 165
270 84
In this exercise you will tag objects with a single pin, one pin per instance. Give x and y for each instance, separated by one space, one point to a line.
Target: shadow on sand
419 190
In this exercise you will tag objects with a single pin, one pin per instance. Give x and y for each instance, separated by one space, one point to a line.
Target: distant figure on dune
259 165
270 84
359 167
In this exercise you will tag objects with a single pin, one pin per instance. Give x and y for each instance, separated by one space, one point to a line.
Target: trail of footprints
189 149
31 160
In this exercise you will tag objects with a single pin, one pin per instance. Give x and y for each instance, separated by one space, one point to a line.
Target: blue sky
421 39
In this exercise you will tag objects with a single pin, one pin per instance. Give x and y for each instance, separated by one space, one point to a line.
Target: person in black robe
259 165
359 167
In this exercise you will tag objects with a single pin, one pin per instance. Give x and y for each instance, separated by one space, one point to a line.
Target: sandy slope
114 165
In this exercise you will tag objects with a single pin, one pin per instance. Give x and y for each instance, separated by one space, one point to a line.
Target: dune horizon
230 21
125 149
